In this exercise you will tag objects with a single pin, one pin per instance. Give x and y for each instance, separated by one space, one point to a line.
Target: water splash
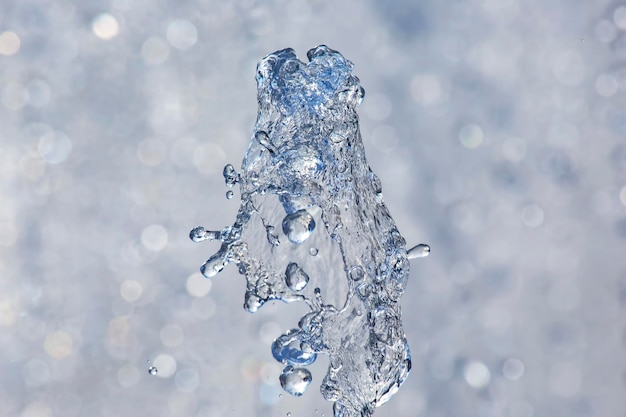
306 166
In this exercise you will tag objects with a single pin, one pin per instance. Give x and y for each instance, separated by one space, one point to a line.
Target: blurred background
497 127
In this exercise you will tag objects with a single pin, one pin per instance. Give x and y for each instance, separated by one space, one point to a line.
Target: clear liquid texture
306 189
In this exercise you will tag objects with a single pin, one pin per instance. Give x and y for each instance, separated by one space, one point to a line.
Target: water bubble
313 251
357 273
295 380
298 226
295 278
229 194
153 370
419 251
253 302
230 175
199 234
264 140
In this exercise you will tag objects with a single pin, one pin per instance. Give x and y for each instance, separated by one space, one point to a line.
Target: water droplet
356 273
213 265
280 395
253 302
298 226
295 278
313 251
229 194
230 175
288 413
295 380
199 234
419 251
153 370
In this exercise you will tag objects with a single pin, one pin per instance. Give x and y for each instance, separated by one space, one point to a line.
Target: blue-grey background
497 127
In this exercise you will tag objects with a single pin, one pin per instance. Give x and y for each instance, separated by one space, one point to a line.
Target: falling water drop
229 194
153 370
298 226
295 380
419 251
313 251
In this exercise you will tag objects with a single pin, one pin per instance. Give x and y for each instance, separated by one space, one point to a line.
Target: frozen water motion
312 227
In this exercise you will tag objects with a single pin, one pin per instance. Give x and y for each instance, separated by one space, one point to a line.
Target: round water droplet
357 273
298 226
199 234
313 251
229 194
288 413
419 251
295 380
153 370
295 278
230 175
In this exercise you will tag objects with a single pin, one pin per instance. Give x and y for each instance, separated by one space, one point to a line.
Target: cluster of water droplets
305 175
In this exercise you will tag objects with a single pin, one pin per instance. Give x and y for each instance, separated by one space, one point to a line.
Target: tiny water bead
295 381
229 194
419 251
298 226
153 370
306 158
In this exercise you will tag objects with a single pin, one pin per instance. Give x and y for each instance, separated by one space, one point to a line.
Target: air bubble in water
295 380
264 140
357 273
313 251
295 278
419 251
298 226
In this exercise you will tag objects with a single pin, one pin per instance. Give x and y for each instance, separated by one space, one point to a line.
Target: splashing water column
305 174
